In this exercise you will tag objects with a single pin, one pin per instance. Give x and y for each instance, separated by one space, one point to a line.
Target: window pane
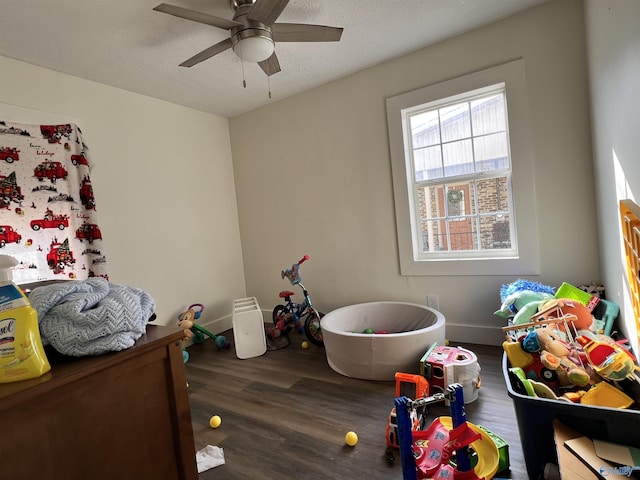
462 234
493 196
429 206
455 202
434 237
428 163
447 218
491 152
425 129
458 158
460 199
488 115
455 121
496 232
428 203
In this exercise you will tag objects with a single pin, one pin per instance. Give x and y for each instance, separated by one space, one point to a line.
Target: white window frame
525 258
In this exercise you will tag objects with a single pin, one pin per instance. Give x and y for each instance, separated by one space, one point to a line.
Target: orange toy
566 308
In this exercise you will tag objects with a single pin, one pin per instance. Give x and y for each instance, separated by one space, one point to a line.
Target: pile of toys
560 346
448 446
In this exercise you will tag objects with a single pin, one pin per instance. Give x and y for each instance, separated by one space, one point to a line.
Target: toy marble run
448 448
415 387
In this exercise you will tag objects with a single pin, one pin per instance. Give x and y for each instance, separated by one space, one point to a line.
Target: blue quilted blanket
91 317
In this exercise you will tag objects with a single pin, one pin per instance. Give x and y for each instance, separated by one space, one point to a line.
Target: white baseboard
474 334
225 323
455 333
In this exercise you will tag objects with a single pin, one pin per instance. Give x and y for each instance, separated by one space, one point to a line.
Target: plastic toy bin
535 416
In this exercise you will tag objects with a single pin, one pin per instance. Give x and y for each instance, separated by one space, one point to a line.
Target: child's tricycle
195 332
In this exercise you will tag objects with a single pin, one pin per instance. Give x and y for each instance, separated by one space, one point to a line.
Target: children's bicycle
301 316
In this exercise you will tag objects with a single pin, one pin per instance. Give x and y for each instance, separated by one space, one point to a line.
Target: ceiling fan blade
302 32
207 53
196 16
267 11
271 65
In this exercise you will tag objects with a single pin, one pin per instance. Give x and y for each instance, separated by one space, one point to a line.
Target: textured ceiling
125 44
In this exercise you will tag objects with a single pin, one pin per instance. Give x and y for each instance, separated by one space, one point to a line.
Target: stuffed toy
559 356
520 285
522 305
186 321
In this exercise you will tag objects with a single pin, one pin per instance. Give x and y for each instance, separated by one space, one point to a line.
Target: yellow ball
305 345
351 438
215 421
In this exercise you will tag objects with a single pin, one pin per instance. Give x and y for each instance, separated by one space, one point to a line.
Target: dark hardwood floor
285 414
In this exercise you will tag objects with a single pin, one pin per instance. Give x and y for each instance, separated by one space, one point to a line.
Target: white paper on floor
209 457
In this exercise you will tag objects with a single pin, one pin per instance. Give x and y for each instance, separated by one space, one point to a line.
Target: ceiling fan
253 31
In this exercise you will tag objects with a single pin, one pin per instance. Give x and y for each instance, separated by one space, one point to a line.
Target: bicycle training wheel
278 311
282 314
312 328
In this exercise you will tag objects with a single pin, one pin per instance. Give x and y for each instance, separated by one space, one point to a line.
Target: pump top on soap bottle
7 263
10 295
22 355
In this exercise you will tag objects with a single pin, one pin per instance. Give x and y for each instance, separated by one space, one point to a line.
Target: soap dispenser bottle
22 355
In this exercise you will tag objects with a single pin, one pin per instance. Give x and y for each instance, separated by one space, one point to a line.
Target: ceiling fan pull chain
269 86
244 82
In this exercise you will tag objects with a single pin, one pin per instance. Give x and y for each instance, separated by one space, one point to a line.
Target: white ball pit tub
411 329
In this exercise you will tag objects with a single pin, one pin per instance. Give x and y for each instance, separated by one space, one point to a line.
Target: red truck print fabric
48 218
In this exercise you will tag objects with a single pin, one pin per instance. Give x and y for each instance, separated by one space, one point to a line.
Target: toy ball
351 439
368 331
221 342
381 332
215 421
305 345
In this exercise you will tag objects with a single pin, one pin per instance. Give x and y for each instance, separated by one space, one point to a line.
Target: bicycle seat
286 293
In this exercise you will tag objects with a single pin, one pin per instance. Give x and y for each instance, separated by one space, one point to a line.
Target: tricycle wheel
312 328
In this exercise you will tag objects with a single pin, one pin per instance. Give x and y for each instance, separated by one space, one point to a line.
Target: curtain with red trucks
48 219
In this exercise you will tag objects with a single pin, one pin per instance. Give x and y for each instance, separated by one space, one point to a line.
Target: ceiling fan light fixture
252 31
254 48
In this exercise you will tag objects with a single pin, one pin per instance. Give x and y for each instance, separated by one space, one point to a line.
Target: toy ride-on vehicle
195 332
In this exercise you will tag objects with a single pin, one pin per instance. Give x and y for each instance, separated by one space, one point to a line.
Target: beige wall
313 175
614 69
163 182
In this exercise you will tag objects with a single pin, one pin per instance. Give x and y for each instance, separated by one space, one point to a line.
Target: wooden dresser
119 415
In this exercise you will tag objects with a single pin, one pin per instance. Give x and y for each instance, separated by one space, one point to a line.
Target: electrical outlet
432 301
